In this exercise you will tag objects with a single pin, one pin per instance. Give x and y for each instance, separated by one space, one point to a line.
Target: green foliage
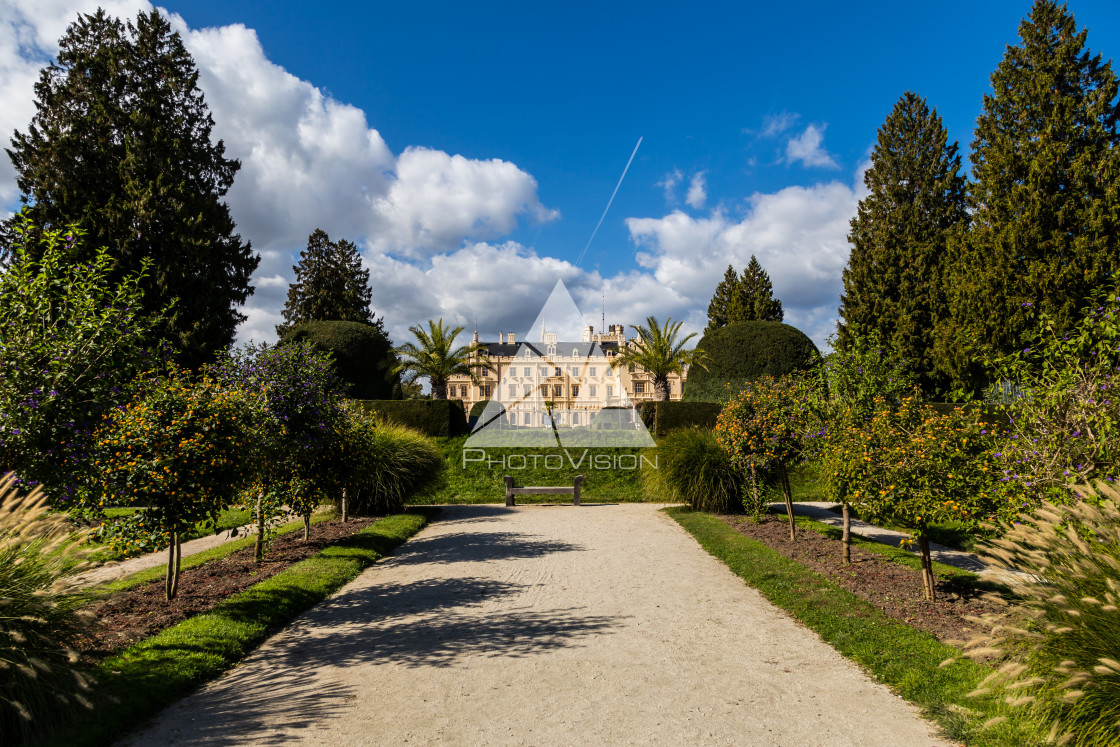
1065 665
742 352
390 463
744 298
892 287
362 355
330 285
121 144
480 407
437 359
1045 194
865 373
1066 428
660 353
41 684
662 417
71 340
432 417
692 468
767 423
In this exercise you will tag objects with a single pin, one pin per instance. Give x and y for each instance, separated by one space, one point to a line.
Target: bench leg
575 491
509 490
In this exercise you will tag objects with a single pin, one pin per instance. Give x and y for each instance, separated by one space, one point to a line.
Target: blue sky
471 149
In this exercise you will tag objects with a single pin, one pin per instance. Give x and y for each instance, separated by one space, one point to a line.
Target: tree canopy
659 352
120 144
437 359
1045 200
916 197
330 284
748 297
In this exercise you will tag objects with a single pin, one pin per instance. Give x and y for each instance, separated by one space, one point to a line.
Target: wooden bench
542 490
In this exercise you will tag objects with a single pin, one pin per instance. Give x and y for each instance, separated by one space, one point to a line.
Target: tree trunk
788 498
847 539
306 527
174 553
661 388
928 580
756 507
439 390
344 507
258 550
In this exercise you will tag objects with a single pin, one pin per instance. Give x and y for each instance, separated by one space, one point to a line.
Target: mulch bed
891 587
129 616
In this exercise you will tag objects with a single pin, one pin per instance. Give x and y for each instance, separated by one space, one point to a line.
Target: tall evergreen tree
330 284
121 144
892 286
755 301
1045 198
723 300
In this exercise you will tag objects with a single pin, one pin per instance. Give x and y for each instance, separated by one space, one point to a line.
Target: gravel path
545 625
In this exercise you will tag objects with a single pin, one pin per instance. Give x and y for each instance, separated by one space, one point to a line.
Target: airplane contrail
579 260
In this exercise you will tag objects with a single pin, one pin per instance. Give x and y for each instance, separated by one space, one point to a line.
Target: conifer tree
330 285
723 300
755 301
1046 193
120 145
892 287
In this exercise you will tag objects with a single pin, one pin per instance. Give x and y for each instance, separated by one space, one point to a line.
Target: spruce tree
755 300
892 287
723 300
120 144
1045 198
330 285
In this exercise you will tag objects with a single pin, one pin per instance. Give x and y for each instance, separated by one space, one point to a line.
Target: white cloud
808 149
776 124
697 191
669 184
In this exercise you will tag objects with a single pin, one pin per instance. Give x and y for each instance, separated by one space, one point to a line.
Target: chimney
501 337
512 338
588 333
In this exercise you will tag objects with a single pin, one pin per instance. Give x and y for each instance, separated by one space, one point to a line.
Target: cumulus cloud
669 184
697 191
808 149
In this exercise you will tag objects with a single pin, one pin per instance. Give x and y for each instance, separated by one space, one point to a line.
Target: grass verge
151 674
907 659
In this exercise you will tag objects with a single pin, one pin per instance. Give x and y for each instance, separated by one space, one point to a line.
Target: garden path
545 625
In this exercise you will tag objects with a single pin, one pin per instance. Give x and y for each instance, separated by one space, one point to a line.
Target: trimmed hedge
432 417
662 417
744 351
363 356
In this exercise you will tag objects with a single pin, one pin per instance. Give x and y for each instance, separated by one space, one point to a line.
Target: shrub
1064 663
432 417
662 417
362 355
39 681
692 468
393 463
744 351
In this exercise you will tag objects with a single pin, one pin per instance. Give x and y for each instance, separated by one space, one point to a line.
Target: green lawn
476 476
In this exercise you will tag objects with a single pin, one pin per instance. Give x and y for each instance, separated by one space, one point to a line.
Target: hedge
744 351
662 417
363 355
432 417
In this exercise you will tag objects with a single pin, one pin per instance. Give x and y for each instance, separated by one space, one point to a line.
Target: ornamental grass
1062 666
40 682
693 468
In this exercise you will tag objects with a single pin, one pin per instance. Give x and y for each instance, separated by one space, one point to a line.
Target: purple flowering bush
72 339
1065 426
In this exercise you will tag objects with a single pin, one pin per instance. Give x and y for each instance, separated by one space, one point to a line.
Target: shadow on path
475 546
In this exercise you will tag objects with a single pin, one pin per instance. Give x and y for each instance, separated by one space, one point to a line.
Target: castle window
639 387
575 390
557 391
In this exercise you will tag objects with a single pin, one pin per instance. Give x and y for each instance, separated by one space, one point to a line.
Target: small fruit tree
181 449
766 425
912 465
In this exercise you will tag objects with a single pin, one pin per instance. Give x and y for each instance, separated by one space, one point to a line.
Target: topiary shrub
432 417
693 468
363 355
744 351
662 417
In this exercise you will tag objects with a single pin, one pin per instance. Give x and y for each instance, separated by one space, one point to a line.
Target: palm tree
658 351
437 359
